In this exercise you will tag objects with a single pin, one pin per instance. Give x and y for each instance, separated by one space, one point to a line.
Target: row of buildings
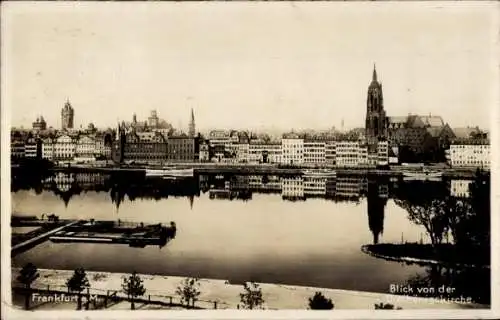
62 147
293 149
124 146
385 140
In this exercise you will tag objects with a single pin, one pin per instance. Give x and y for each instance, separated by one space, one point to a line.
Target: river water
288 230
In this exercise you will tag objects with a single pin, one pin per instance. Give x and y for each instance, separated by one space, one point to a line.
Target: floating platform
113 233
88 231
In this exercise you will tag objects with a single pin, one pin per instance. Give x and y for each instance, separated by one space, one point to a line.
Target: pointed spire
374 78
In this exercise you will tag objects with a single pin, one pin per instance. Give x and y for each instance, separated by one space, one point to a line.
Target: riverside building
472 153
292 150
314 152
264 152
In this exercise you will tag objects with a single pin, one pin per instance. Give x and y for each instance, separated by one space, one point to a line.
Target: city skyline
286 66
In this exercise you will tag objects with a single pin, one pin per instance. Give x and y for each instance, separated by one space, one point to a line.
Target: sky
248 65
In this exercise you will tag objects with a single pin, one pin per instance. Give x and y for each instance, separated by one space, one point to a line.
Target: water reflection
119 186
332 187
312 242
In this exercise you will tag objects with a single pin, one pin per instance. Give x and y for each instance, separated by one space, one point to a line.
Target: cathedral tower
67 116
375 126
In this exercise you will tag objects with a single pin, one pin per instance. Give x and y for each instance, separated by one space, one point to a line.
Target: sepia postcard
250 160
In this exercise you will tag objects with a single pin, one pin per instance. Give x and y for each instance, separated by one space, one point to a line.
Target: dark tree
320 302
252 297
189 291
133 287
77 283
27 275
480 201
431 216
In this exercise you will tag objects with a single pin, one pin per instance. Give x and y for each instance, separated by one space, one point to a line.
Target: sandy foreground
276 296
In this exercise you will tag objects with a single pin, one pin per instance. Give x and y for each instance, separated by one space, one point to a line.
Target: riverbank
266 169
276 296
426 254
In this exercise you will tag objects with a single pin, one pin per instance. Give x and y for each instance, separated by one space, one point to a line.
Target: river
288 230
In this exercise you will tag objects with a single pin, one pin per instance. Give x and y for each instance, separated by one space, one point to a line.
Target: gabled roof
464 133
432 121
434 131
398 119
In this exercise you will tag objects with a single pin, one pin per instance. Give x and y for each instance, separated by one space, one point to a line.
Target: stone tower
375 126
67 116
192 127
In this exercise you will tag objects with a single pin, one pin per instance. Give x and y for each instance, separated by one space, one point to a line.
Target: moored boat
319 172
176 173
423 175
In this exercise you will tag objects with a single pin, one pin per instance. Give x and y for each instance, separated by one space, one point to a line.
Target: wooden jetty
32 242
110 232
89 231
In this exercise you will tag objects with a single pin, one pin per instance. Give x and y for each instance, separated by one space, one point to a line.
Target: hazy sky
239 65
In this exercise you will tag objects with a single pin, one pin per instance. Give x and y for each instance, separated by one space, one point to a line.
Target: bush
320 302
385 306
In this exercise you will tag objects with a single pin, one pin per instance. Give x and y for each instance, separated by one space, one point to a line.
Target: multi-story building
32 148
420 134
330 152
226 144
292 150
67 116
85 149
17 146
204 152
264 152
48 144
103 143
383 153
181 149
64 148
364 157
347 153
243 153
473 153
220 137
144 146
314 152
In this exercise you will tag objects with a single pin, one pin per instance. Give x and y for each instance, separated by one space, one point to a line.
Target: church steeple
192 128
375 125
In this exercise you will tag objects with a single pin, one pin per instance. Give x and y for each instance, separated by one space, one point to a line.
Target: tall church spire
192 128
375 125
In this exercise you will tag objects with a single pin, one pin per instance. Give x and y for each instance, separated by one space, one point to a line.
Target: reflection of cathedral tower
192 128
375 126
191 201
67 116
376 207
117 196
